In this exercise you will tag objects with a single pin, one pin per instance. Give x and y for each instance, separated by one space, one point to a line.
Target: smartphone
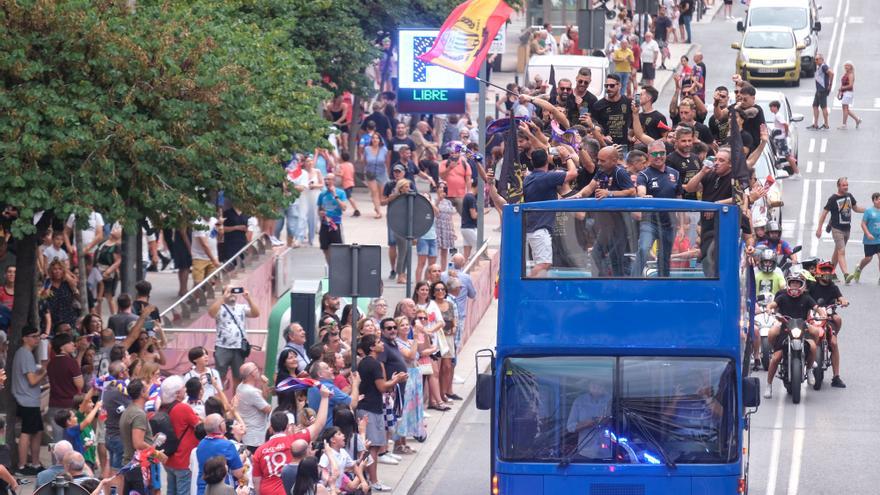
453 251
554 151
47 283
149 325
237 290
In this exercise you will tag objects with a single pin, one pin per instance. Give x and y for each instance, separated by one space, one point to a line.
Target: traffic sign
410 216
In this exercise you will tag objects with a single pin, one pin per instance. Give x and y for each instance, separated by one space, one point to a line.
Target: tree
144 114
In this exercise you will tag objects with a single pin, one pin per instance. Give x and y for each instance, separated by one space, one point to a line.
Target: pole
130 258
409 239
355 252
481 126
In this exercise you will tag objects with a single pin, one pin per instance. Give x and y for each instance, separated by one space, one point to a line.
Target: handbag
245 345
426 369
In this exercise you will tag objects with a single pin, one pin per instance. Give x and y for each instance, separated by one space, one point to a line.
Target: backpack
160 422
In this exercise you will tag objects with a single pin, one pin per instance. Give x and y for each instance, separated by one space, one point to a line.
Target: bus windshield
619 244
622 410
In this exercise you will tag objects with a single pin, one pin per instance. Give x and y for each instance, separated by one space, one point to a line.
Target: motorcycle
764 322
823 353
793 368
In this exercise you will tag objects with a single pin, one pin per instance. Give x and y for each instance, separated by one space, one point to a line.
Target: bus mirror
751 392
485 380
485 391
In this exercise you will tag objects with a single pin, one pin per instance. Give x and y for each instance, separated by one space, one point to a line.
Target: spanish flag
467 34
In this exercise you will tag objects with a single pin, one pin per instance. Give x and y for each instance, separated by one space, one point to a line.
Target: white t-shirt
650 51
96 221
52 254
343 462
208 390
228 334
210 235
250 406
779 123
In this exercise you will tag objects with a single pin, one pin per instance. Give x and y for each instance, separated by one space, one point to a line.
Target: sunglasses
583 83
422 318
610 85
658 153
391 327
566 90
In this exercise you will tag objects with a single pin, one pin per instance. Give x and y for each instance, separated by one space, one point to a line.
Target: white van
567 67
800 15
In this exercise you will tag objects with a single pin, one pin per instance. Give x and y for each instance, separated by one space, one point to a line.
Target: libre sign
425 87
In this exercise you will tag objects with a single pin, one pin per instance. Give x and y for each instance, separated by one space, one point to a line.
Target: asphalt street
825 444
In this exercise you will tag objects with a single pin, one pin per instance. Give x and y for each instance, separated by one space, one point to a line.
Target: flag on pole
466 35
507 181
739 167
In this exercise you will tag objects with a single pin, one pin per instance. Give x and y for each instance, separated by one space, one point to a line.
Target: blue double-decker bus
618 366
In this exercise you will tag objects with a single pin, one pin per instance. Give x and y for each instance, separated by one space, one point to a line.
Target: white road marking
831 45
876 102
810 165
788 228
797 449
856 20
812 147
823 146
822 167
842 35
802 220
826 19
817 209
775 446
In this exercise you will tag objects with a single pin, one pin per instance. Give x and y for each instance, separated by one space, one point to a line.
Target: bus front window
659 410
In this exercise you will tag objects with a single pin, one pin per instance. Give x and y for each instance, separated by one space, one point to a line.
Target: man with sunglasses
581 93
656 181
393 361
612 113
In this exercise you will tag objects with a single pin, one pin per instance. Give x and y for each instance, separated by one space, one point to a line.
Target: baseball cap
399 168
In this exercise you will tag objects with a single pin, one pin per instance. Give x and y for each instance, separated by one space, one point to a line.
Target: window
768 40
626 410
793 17
618 244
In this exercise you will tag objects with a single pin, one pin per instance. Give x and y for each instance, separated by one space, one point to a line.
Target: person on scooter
826 290
794 302
768 281
774 240
759 229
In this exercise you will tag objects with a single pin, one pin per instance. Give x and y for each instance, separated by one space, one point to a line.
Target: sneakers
768 392
387 458
457 380
392 275
394 455
454 397
379 487
837 382
854 276
357 213
28 470
811 378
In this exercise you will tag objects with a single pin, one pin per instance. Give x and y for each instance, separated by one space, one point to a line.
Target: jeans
290 217
178 481
114 451
624 80
650 231
686 19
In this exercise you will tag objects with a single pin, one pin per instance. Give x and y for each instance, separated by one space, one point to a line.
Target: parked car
769 54
763 99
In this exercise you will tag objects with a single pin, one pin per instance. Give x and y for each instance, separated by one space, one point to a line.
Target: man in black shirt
648 116
716 184
400 139
719 122
612 113
383 125
373 385
826 292
662 27
682 160
582 96
753 121
687 115
841 206
794 302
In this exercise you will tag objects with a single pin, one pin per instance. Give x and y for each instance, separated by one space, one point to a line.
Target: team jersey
271 457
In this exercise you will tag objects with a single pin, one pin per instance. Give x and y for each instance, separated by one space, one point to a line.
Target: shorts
349 191
648 71
326 237
841 237
110 285
114 451
728 2
871 249
541 246
201 269
181 255
31 420
392 239
225 359
427 247
820 99
847 98
375 427
390 415
662 44
469 237
370 175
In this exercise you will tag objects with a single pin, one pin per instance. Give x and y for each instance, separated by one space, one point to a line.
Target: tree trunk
131 259
83 276
23 313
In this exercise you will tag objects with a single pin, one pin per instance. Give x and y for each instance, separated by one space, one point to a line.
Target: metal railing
476 256
198 296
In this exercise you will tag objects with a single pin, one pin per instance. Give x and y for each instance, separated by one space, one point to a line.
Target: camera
237 290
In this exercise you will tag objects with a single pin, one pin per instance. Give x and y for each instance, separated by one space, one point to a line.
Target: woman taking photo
376 163
412 421
287 367
449 311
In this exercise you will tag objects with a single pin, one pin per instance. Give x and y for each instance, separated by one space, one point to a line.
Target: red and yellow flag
467 34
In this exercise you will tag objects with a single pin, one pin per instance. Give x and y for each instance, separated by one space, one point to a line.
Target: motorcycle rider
768 281
774 240
826 290
794 302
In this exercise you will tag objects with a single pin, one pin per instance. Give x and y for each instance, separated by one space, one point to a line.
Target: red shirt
184 421
271 457
458 180
62 369
6 298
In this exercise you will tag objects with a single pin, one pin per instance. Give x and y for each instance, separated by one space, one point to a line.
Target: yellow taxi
769 54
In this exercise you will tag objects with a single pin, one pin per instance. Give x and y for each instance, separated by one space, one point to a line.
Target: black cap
29 330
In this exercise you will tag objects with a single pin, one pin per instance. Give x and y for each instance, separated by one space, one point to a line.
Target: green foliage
146 114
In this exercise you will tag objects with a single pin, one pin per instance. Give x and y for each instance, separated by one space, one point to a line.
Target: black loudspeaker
305 306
